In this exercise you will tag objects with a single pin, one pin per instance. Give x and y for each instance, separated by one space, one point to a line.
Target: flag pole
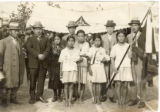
127 51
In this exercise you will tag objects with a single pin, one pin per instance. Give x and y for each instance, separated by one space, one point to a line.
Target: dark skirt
54 76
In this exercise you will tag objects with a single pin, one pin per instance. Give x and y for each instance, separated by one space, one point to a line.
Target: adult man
109 40
12 63
4 30
38 48
3 34
138 64
71 28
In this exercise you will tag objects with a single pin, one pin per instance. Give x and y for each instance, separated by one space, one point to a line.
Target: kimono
54 67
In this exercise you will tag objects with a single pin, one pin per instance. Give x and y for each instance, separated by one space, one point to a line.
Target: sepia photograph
79 56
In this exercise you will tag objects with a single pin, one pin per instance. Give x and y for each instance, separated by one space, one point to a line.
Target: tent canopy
56 18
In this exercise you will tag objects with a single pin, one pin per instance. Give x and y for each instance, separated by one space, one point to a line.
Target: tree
24 13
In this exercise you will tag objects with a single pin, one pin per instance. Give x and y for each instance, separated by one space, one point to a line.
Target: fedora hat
13 25
110 23
72 24
134 21
37 24
29 27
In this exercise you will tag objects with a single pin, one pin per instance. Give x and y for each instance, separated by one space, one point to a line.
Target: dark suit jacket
36 47
140 50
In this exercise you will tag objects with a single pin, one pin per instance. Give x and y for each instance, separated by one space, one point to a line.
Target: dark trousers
2 90
27 68
37 79
10 94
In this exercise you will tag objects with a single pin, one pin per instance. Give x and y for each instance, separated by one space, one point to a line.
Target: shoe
5 103
132 102
42 100
14 101
31 101
103 98
60 99
141 105
74 99
112 100
54 99
99 103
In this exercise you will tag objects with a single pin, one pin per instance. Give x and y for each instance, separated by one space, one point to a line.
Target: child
124 75
68 59
83 47
98 57
54 69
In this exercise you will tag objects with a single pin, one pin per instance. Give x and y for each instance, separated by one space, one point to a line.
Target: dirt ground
86 106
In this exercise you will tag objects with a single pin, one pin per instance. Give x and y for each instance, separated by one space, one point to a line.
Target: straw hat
110 23
37 24
72 24
134 21
13 25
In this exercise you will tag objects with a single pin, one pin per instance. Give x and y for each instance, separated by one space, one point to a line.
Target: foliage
24 13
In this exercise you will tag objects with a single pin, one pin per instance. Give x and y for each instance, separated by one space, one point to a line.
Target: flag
148 34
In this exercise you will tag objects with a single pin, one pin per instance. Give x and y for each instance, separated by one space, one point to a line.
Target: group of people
69 60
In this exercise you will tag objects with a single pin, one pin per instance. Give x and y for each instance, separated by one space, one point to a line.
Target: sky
8 7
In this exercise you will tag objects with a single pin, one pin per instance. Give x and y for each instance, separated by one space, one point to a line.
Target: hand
41 57
24 51
80 59
104 60
145 55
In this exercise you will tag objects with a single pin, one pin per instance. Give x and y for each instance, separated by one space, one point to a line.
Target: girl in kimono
124 74
83 47
54 69
97 56
68 58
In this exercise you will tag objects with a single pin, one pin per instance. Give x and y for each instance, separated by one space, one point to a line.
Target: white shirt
109 37
97 55
118 52
68 58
